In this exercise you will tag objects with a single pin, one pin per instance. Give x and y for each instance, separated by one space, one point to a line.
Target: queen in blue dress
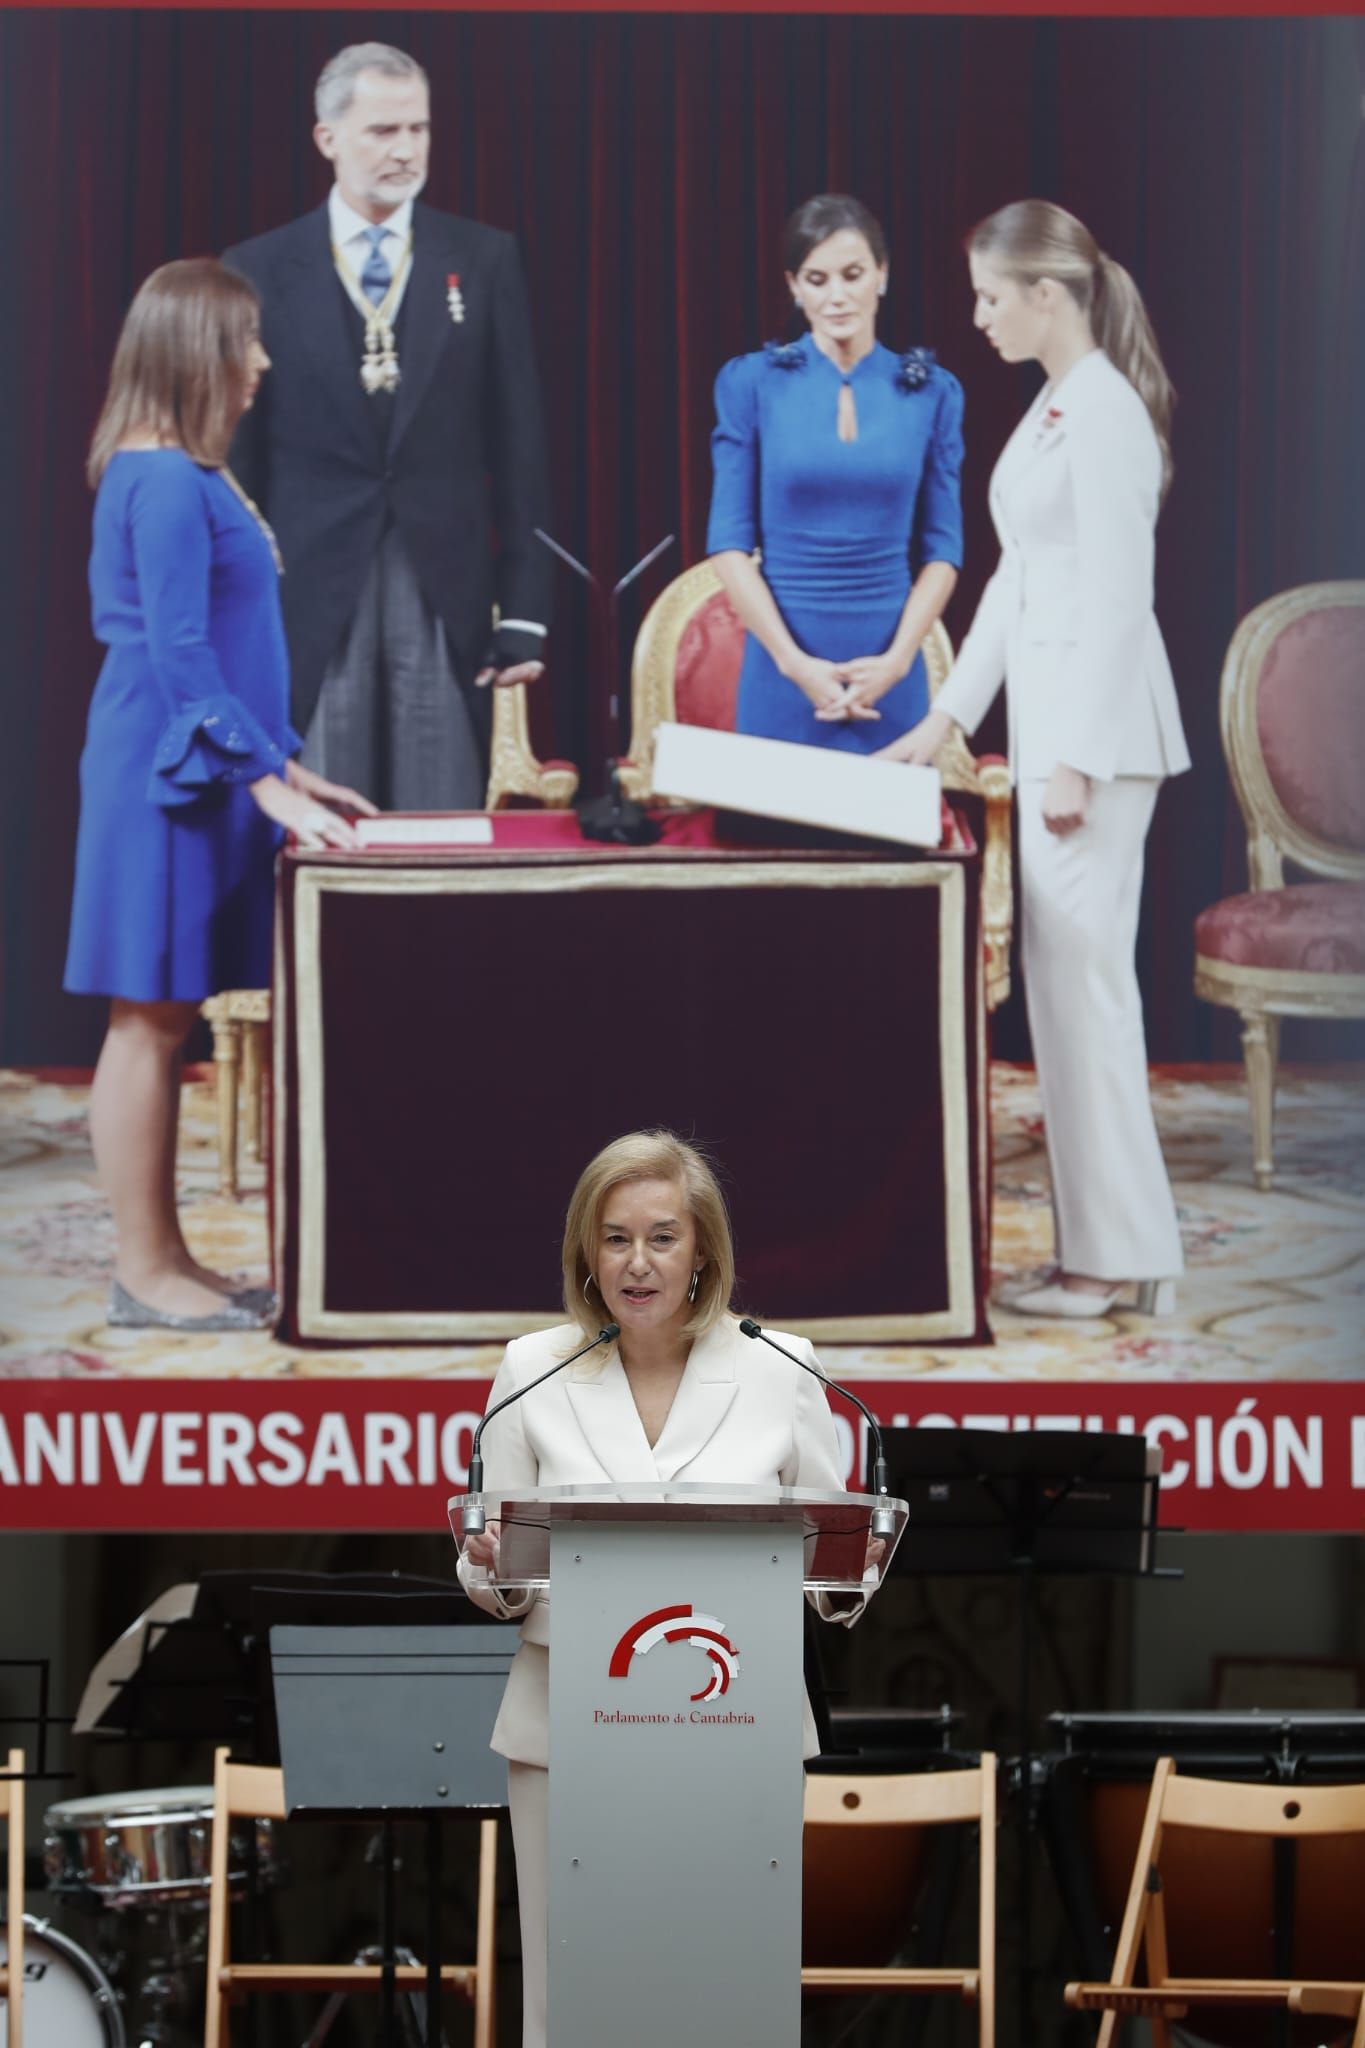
840 460
187 776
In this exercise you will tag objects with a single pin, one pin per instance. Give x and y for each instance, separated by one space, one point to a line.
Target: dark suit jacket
461 471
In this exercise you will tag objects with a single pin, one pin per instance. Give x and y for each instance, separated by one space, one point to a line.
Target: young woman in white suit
1067 624
680 1394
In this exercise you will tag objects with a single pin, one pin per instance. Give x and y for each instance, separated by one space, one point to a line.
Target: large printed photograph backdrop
646 165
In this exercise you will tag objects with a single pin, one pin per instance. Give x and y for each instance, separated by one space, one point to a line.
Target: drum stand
413 2008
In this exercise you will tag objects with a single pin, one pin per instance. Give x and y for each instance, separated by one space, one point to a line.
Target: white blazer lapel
703 1400
1040 433
606 1413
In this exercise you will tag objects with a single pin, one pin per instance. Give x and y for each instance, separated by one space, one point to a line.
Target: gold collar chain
379 369
254 509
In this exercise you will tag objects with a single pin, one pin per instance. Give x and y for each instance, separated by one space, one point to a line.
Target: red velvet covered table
456 1033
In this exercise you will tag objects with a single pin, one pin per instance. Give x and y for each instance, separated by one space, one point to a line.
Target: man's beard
383 195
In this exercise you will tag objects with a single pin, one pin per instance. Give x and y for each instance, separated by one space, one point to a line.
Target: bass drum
68 2002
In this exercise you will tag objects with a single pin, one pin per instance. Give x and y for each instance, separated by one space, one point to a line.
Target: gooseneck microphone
883 1519
472 1520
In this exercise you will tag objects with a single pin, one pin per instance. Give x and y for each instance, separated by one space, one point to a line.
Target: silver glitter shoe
262 1299
126 1312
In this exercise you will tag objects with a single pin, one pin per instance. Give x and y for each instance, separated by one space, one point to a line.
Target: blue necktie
376 277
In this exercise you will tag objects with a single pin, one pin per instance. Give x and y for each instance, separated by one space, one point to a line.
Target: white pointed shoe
1068 1302
1154 1298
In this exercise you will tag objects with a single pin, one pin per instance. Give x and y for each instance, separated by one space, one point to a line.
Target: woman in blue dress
840 459
186 778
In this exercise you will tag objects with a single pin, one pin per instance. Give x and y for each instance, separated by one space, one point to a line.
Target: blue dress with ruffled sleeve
844 526
174 892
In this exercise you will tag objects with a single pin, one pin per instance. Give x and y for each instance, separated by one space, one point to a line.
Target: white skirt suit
742 1416
1067 624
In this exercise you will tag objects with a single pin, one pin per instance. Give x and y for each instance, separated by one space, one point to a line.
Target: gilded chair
686 667
240 1018
513 769
1292 713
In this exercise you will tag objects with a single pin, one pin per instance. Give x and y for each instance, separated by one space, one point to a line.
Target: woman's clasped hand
844 690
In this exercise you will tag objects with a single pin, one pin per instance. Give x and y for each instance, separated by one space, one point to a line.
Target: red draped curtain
647 163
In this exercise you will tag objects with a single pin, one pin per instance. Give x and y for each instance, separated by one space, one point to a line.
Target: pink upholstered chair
686 668
1292 711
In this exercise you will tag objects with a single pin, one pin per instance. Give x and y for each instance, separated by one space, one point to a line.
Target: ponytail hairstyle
1032 239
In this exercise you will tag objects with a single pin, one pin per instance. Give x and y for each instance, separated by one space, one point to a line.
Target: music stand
193 1667
417 1704
1054 1501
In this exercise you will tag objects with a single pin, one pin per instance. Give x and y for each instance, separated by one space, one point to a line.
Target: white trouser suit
1066 622
742 1415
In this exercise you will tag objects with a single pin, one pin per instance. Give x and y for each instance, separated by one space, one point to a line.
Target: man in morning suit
397 451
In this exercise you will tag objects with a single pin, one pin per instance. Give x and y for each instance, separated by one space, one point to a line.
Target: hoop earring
692 1290
589 1282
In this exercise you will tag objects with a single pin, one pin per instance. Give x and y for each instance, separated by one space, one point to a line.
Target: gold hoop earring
589 1282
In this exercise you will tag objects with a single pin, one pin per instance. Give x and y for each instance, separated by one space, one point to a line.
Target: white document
801 785
407 830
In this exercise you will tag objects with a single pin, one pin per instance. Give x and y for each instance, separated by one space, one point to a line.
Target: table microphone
471 1516
883 1518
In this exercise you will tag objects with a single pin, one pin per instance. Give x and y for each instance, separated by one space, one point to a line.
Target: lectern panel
675 1785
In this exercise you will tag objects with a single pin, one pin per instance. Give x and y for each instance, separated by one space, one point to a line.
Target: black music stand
1025 1504
195 1667
392 1718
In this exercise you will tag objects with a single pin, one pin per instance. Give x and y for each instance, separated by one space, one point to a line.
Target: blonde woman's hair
648 1155
180 367
1032 239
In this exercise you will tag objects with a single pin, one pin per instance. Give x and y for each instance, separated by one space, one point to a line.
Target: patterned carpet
1275 1288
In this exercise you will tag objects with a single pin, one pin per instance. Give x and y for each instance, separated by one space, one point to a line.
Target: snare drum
149 1849
68 2002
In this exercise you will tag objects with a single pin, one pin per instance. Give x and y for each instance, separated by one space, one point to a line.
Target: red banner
387 1454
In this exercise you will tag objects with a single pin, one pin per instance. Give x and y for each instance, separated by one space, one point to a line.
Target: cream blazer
742 1416
1066 621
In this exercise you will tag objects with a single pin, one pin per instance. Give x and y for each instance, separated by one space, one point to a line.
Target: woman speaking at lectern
680 1395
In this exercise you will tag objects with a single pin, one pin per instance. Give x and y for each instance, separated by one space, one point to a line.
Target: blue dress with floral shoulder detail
844 526
174 858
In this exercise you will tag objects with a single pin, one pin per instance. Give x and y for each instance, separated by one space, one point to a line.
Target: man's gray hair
336 85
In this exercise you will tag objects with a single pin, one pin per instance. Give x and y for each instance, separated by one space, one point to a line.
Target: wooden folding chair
12 1969
1179 1810
864 1850
251 1791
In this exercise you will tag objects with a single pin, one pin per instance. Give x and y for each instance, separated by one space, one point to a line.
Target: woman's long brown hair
180 368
